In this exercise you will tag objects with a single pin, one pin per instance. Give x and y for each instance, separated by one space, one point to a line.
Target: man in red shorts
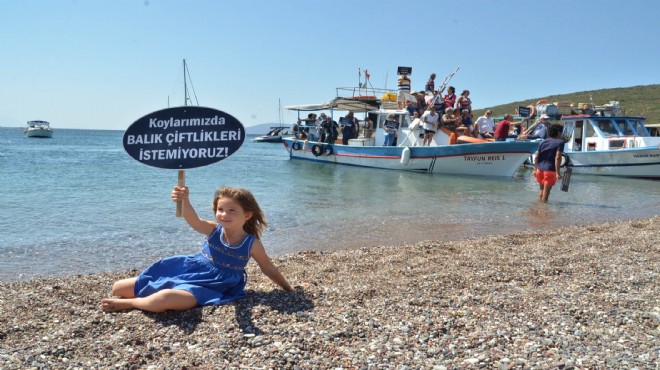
548 161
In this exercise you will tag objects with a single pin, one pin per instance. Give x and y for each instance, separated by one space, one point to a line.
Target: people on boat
348 126
391 126
368 128
464 102
430 119
503 127
449 98
330 132
421 102
430 84
412 106
540 131
485 125
547 166
404 84
465 125
449 120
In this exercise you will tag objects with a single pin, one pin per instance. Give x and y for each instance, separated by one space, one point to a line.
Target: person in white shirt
485 125
430 119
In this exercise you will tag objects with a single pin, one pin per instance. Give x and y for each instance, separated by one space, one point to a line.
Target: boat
447 153
38 129
604 142
274 135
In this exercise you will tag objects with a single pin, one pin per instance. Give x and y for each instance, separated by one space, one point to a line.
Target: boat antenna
185 86
186 76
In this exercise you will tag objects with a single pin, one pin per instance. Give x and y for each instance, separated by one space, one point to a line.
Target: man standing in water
548 161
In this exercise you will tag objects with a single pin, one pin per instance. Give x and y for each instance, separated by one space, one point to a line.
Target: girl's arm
202 226
259 254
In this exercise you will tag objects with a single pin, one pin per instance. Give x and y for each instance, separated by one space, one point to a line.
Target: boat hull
631 162
485 159
39 133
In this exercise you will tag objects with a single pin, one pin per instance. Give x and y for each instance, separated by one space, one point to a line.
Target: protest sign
182 138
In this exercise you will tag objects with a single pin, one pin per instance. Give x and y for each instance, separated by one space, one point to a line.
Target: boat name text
484 158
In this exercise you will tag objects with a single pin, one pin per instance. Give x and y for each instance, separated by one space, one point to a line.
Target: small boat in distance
274 135
38 129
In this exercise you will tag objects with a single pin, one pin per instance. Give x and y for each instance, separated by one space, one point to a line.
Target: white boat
485 158
274 135
38 129
604 143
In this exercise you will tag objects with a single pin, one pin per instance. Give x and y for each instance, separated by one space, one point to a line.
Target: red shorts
546 177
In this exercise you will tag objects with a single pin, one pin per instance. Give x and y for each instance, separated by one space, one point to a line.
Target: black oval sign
183 137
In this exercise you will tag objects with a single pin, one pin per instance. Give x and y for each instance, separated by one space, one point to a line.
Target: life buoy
317 150
295 145
327 150
532 110
542 101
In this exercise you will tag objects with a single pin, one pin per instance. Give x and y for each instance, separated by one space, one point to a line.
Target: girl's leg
124 288
161 301
540 192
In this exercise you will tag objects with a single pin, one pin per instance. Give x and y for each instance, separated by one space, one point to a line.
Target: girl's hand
180 193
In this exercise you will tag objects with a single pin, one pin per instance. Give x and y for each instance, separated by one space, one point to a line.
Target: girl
214 276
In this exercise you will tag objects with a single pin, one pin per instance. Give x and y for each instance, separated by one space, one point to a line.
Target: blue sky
102 64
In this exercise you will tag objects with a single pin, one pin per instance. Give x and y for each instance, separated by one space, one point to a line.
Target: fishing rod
444 84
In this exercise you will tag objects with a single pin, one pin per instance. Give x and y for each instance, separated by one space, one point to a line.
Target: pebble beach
581 297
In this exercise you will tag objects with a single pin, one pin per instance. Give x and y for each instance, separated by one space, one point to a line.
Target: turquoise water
78 204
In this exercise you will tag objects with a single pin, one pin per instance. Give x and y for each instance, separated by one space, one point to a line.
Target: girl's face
230 214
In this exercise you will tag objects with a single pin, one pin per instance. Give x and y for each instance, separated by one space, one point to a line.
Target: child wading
214 276
548 161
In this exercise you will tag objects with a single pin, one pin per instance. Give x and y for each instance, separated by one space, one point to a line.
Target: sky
103 64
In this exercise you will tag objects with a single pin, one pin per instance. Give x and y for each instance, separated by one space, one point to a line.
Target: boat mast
185 86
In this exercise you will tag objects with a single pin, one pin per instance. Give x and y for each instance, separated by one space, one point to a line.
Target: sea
78 204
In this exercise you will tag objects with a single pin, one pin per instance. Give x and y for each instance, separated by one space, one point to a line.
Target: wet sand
576 297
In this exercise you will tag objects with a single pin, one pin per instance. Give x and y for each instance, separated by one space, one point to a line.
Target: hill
635 100
262 129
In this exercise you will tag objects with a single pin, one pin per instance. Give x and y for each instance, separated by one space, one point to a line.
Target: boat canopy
344 104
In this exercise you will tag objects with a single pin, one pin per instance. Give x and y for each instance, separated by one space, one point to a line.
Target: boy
548 161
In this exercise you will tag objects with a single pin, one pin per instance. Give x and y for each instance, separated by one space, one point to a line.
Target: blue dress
214 276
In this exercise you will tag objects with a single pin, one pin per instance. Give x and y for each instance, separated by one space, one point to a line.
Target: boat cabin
590 133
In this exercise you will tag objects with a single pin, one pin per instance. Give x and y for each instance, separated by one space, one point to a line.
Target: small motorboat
274 135
38 129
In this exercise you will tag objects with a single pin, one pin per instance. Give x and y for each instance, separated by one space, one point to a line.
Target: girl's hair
465 91
451 88
257 223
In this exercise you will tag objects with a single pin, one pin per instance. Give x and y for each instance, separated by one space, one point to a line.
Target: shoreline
583 296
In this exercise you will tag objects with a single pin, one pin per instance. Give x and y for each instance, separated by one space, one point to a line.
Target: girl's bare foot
116 305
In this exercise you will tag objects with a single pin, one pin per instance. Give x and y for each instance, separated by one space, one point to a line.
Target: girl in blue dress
214 276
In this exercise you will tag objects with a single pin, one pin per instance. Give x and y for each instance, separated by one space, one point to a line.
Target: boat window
639 127
403 121
591 132
624 127
607 127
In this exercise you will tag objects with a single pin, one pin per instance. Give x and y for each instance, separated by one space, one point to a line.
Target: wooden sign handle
181 183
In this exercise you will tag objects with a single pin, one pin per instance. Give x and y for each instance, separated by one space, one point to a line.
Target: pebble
579 297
